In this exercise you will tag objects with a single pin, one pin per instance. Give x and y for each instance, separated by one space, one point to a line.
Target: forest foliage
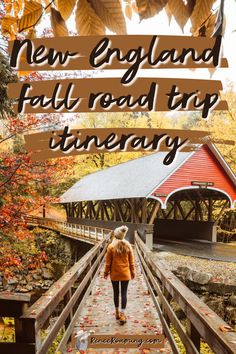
95 17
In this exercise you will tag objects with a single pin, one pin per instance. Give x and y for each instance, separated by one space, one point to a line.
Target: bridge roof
131 179
148 177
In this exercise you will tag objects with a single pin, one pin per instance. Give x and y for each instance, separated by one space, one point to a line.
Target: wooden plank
67 309
189 345
6 295
180 209
194 335
120 211
13 304
189 213
104 204
144 211
69 330
17 348
171 209
165 326
222 210
154 212
12 308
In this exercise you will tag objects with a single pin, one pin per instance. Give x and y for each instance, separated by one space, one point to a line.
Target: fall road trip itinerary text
129 93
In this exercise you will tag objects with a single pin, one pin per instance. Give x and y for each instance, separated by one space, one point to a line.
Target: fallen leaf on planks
226 329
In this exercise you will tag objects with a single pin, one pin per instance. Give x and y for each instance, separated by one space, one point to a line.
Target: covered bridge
183 200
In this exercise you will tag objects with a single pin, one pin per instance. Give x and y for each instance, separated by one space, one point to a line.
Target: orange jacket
119 266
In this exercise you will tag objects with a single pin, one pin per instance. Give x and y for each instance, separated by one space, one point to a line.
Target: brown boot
123 319
117 314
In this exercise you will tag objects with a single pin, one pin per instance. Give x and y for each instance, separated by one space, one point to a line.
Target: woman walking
120 266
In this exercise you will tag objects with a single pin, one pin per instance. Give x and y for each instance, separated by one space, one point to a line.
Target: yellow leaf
16 8
65 7
8 8
87 21
58 24
7 24
31 15
111 14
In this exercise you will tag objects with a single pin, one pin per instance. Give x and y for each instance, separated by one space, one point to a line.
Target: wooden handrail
65 289
202 321
76 231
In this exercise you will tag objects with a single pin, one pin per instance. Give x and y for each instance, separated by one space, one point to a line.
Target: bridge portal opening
191 214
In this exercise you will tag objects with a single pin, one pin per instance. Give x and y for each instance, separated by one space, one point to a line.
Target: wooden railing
77 231
202 322
62 303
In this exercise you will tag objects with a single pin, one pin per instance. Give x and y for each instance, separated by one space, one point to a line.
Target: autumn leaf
134 7
111 14
226 329
31 15
65 7
181 11
208 28
58 24
149 8
7 24
168 13
128 11
87 21
200 14
31 34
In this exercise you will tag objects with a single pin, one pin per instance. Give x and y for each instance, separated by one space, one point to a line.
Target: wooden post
194 335
96 234
144 211
149 236
168 298
154 213
67 298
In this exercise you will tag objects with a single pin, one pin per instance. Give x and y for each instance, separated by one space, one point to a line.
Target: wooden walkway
83 299
98 314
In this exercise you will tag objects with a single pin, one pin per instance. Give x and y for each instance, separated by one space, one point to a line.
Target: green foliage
205 349
51 243
7 331
52 349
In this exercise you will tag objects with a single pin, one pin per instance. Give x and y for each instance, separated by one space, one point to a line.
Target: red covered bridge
183 200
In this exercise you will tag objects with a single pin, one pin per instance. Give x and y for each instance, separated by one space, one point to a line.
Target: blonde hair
121 246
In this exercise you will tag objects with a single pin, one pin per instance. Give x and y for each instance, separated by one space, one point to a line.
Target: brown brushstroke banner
112 140
84 46
126 341
85 88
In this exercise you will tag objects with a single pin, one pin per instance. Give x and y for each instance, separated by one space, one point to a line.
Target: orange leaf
226 329
128 11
